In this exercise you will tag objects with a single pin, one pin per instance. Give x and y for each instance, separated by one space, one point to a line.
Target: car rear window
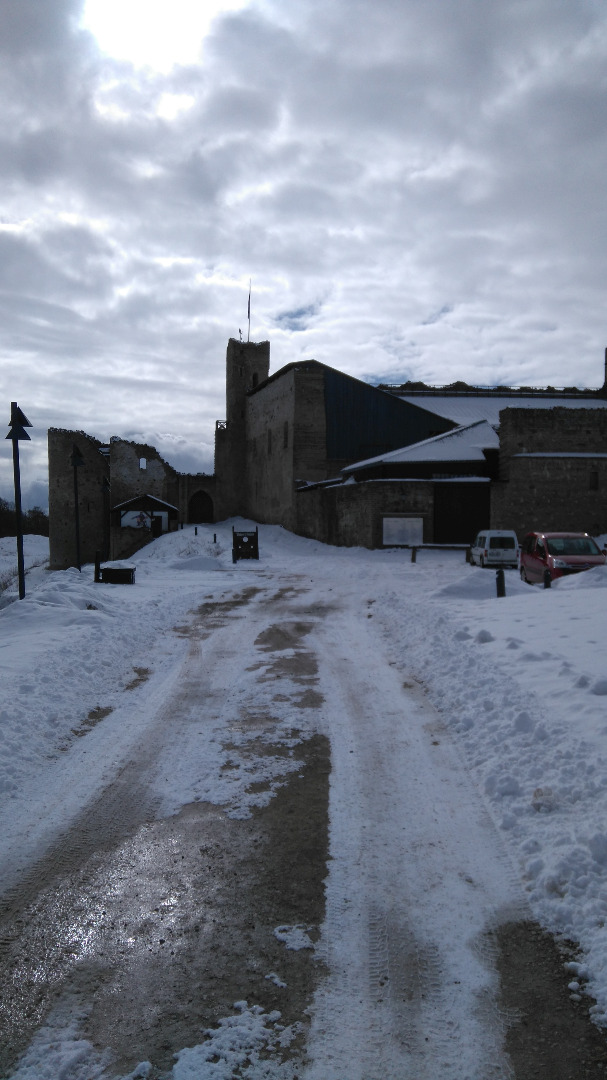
501 542
572 545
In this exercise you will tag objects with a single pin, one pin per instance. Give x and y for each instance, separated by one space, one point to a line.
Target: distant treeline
33 521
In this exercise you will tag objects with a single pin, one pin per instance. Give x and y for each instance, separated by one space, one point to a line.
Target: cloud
298 319
434 172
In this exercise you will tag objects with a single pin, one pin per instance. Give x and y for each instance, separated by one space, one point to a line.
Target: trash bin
245 544
117 575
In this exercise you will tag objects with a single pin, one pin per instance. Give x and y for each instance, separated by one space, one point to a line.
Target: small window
143 463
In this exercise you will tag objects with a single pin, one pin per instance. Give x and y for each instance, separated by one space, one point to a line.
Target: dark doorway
460 511
200 508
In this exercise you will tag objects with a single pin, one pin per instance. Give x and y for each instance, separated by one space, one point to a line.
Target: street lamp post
77 461
18 424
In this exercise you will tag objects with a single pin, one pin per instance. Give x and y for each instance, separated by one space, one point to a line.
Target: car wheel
524 576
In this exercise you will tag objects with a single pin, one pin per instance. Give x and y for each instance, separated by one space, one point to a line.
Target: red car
557 553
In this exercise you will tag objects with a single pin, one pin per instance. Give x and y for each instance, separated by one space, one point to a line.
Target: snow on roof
466 409
152 499
466 443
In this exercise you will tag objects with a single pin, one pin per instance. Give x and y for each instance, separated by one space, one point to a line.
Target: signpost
18 423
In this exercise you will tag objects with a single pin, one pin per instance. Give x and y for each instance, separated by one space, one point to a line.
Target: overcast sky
415 188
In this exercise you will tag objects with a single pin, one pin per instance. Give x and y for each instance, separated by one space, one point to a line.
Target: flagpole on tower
249 312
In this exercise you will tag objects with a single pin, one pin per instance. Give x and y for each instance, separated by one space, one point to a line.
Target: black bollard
414 554
196 530
547 579
500 582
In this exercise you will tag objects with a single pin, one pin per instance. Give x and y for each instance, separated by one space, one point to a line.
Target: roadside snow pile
35 560
70 646
522 682
475 586
591 579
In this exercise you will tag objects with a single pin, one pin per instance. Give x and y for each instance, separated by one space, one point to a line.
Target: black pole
500 581
19 517
77 518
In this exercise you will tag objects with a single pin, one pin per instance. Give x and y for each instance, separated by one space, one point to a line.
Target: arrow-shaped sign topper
17 416
18 423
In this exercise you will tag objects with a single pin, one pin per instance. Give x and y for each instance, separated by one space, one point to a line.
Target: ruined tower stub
247 365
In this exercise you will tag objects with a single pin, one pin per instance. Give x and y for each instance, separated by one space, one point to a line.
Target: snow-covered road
194 718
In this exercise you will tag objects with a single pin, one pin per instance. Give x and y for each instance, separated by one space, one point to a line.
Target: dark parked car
558 553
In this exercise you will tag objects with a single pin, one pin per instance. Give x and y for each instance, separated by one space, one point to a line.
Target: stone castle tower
247 365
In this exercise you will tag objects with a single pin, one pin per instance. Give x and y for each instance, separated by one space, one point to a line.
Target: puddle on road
283 635
213 614
160 937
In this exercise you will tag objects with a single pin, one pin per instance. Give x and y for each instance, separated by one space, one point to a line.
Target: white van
495 547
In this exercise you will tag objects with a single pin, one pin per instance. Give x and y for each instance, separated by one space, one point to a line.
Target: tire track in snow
417 873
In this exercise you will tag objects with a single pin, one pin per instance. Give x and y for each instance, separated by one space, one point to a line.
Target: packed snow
519 682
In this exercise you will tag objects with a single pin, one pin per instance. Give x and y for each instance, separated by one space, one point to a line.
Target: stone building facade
111 474
281 449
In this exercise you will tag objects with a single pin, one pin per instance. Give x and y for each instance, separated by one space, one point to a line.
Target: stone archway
200 508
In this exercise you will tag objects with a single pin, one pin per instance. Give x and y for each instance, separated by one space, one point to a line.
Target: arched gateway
200 508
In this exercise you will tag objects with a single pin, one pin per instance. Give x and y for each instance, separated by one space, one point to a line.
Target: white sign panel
142 519
403 531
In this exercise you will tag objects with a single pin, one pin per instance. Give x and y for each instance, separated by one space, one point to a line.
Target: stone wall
524 431
310 462
198 497
138 469
125 541
552 494
352 514
270 452
553 471
93 499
